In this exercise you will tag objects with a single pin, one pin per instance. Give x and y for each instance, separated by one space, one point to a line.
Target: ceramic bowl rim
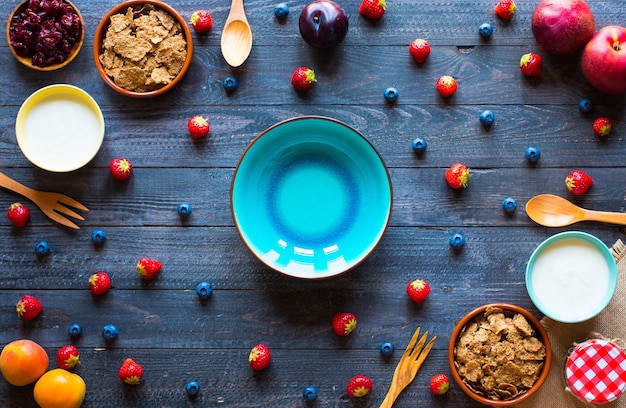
26 61
583 236
540 331
101 32
356 132
56 89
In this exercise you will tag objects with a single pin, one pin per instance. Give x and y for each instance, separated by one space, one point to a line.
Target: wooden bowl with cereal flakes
499 354
142 48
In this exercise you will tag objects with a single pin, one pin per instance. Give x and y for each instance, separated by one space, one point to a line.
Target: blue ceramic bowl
571 277
311 197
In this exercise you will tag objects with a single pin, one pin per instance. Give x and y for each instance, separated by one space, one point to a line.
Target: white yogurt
570 280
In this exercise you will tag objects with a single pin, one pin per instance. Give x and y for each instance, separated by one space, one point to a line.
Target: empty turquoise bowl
311 197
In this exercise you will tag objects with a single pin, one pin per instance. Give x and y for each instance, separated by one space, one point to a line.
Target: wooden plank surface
177 338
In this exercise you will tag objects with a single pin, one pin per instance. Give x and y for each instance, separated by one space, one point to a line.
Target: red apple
604 60
562 27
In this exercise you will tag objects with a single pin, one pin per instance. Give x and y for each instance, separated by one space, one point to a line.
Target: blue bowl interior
543 303
311 197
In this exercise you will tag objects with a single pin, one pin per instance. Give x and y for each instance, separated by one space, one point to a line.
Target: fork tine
425 351
67 211
70 202
412 342
418 347
61 220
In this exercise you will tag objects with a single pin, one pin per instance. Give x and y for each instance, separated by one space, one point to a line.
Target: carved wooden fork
49 203
407 368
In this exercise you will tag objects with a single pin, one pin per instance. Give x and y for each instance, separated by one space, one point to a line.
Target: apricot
59 388
22 362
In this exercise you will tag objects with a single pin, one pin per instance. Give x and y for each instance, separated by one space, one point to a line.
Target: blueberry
42 248
457 240
386 349
585 105
309 393
109 332
419 145
230 84
98 237
509 205
487 118
184 210
75 330
532 154
192 388
485 30
204 290
391 94
281 10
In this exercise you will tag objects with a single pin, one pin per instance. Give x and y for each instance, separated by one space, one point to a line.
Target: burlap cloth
611 324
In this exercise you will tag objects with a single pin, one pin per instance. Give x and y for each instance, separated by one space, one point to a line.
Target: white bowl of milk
59 128
571 277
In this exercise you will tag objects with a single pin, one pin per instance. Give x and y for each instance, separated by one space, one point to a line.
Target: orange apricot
59 388
22 362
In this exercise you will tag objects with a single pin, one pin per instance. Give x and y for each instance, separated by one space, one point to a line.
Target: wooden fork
49 203
408 366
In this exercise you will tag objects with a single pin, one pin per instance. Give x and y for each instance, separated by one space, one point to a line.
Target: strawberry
446 86
458 175
148 268
578 182
531 64
373 9
201 21
303 79
130 372
439 384
418 290
28 307
198 127
602 126
359 386
419 50
505 9
120 168
18 214
99 283
259 357
344 323
67 357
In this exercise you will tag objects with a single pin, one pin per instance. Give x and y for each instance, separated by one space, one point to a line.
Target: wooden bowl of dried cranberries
45 34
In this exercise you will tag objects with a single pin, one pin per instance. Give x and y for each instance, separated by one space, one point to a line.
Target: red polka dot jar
596 371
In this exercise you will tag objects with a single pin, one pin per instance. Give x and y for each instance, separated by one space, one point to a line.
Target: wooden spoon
236 36
553 211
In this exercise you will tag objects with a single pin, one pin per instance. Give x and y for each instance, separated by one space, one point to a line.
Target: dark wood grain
176 337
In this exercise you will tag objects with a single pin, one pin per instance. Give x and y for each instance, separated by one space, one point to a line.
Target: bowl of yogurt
571 276
59 128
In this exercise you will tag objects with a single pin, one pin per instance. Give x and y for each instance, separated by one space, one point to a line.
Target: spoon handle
608 217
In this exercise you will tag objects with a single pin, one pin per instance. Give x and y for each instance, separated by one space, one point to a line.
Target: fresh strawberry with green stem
120 168
130 372
373 9
359 386
344 323
505 9
439 384
419 50
148 268
602 126
99 283
418 290
67 357
578 182
531 64
303 78
28 307
198 127
446 85
458 175
201 21
18 214
259 357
